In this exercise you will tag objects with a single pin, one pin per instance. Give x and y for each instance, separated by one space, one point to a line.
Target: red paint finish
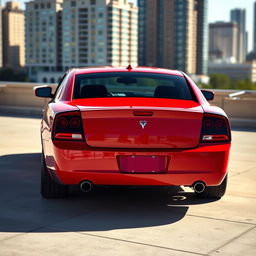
134 141
102 167
121 129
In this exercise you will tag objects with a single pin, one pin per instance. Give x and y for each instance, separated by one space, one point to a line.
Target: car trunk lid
134 123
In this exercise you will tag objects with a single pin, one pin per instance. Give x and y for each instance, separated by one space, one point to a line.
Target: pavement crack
242 172
212 218
231 240
144 244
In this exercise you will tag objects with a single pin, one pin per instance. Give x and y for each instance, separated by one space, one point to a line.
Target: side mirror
43 91
209 95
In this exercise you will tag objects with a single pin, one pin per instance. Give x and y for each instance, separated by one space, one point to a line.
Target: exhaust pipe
86 186
199 187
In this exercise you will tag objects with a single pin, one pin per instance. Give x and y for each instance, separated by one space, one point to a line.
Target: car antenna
129 67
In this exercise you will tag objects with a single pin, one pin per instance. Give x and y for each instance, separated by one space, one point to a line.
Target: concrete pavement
121 221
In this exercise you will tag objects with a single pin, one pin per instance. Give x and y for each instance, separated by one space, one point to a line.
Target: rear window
134 84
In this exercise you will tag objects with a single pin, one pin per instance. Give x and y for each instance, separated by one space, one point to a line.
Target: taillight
215 129
68 126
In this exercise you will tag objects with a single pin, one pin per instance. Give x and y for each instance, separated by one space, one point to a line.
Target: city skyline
220 11
60 35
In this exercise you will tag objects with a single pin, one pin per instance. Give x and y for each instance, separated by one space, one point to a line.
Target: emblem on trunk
143 124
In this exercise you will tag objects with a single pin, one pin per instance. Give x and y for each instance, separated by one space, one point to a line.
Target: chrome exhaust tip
199 187
86 186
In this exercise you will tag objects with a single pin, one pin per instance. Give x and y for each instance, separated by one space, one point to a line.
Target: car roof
86 70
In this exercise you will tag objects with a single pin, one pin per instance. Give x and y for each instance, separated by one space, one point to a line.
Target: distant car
132 126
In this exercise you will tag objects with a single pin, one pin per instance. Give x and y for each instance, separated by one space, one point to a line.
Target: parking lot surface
121 221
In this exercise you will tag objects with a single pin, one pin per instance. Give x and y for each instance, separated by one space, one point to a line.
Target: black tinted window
135 84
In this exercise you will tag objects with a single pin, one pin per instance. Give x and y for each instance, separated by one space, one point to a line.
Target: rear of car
134 127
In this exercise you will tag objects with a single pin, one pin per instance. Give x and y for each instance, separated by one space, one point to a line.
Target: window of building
83 10
52 80
81 16
83 60
48 5
83 27
44 80
73 4
36 6
42 5
93 2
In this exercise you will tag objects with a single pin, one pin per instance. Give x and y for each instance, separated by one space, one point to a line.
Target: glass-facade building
238 16
254 28
174 34
181 38
202 37
1 50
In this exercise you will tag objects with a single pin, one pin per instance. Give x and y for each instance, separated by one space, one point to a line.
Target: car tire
49 188
215 192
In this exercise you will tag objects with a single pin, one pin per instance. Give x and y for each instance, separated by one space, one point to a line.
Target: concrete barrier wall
240 107
21 94
15 96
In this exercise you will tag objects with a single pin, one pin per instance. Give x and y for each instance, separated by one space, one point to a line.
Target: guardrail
238 95
239 105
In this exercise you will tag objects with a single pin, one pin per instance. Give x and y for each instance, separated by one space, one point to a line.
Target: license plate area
143 164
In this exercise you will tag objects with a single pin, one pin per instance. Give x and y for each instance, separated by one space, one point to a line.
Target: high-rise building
202 37
254 28
102 32
174 34
223 42
72 33
13 35
239 17
43 36
1 49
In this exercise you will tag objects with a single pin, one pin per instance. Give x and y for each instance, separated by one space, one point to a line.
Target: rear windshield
133 84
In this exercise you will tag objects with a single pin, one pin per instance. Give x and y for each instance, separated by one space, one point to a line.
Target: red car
132 126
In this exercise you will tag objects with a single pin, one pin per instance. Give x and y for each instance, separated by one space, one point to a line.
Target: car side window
60 86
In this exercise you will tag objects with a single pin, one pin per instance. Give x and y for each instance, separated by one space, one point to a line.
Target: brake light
215 129
68 126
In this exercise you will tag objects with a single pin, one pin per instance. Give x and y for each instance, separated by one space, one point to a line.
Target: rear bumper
71 166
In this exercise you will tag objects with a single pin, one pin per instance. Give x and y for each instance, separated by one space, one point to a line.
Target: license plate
143 164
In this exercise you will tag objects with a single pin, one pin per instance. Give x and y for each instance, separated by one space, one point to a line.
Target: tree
245 84
220 81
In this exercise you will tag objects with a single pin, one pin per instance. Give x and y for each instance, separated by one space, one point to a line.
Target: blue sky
219 10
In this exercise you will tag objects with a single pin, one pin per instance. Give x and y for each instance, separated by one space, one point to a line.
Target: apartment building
62 34
13 35
223 42
99 32
43 36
